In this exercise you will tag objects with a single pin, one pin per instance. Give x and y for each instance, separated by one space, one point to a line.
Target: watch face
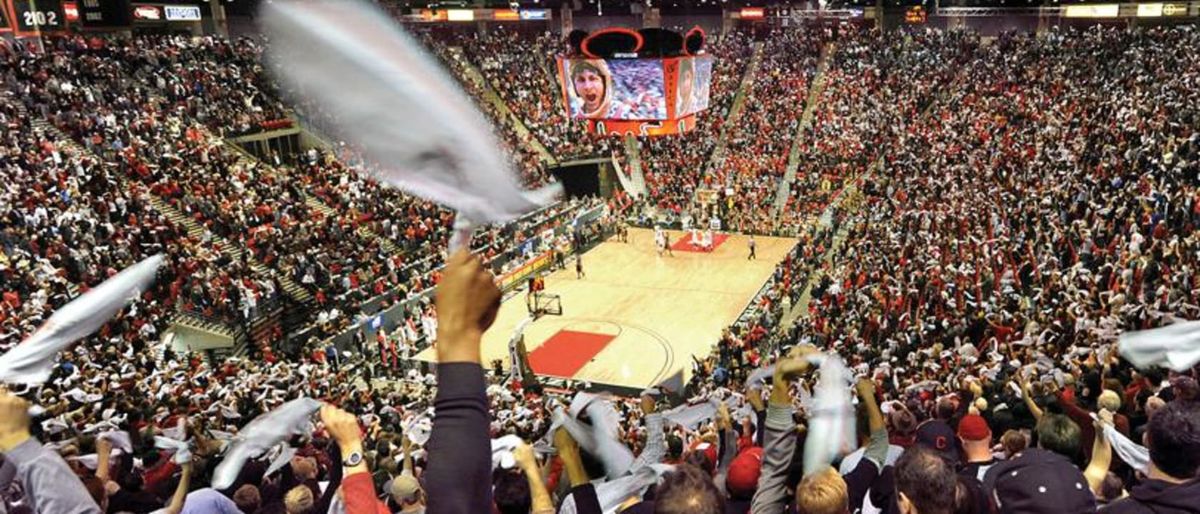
353 460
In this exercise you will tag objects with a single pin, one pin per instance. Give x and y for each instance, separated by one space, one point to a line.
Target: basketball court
637 318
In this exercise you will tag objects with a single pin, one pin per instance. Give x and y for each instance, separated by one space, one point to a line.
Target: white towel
1136 455
692 416
1175 346
502 451
183 453
262 433
430 139
613 493
831 420
120 440
31 361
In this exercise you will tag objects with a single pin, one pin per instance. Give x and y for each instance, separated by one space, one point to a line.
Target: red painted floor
566 352
684 244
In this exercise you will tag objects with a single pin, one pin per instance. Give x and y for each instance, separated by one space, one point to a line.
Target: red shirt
359 493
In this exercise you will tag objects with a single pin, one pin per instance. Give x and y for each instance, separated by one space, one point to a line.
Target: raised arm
541 503
568 452
103 459
1101 458
52 482
780 445
459 476
656 444
181 491
406 445
728 445
1028 398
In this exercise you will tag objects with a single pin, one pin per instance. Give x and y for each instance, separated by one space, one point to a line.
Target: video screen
622 89
692 85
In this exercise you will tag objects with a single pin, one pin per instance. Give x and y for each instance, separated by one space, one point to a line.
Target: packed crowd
761 137
874 88
1009 235
526 161
218 82
93 222
519 66
674 166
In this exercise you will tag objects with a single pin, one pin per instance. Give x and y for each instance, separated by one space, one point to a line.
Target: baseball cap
974 428
1036 481
938 436
742 478
404 489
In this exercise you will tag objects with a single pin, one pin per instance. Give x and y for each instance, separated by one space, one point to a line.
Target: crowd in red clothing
675 166
520 67
1014 227
761 137
218 82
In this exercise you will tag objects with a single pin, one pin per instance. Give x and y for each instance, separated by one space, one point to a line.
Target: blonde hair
299 500
823 492
1109 400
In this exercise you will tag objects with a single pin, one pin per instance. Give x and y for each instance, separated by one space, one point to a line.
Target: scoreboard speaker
578 179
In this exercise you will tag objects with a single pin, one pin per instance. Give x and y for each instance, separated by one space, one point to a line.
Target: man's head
742 479
405 490
511 493
925 482
823 492
976 438
944 409
1173 436
247 498
1059 434
299 500
590 82
674 447
305 468
1154 404
688 490
1013 442
1109 400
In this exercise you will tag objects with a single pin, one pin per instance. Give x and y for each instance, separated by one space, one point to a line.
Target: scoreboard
34 16
30 17
104 13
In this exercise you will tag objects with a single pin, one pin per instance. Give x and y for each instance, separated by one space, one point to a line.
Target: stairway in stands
247 159
72 288
735 111
193 229
849 201
475 76
793 163
634 166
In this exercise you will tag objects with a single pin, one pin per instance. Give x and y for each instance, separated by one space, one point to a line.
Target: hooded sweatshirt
1159 497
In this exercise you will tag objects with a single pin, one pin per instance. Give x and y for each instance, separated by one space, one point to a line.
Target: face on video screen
691 94
626 89
684 101
590 84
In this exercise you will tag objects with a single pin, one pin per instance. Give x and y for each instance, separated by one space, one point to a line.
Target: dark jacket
1159 497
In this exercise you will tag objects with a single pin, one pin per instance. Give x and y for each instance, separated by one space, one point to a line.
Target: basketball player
667 243
530 295
658 240
752 256
579 268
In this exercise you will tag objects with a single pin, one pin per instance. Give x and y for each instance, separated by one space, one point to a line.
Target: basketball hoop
546 303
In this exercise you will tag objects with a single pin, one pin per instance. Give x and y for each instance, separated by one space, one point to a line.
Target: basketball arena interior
599 256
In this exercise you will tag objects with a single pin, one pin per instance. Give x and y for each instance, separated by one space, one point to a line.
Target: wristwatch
354 459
